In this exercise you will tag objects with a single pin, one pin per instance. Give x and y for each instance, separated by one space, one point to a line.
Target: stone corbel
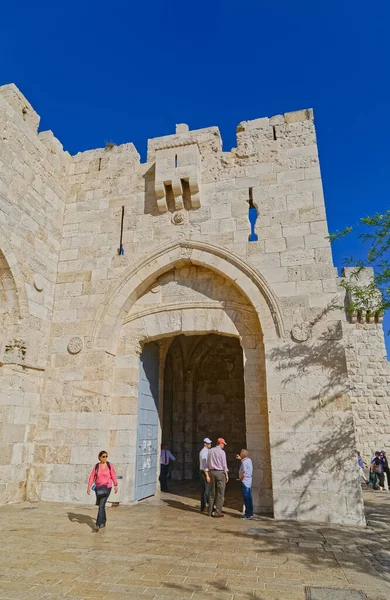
194 190
161 197
177 193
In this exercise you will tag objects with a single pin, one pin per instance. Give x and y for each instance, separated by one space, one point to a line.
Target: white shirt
166 457
203 459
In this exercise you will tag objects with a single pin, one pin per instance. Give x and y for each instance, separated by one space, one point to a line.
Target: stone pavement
163 549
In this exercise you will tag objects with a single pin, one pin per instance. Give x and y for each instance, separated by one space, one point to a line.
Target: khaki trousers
217 491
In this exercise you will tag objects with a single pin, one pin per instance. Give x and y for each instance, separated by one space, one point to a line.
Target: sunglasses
104 456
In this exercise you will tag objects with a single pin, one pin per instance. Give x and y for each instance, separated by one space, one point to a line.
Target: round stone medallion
300 332
75 345
179 218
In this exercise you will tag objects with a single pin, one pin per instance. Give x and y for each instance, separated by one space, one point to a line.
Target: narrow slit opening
120 249
252 216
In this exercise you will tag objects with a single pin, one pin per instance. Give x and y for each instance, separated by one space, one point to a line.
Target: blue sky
126 71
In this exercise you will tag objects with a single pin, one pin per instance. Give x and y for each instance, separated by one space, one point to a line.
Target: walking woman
101 479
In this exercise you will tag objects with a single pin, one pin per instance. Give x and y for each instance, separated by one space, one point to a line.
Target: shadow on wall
326 429
150 206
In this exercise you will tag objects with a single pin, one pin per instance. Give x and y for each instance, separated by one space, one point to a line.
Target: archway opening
203 396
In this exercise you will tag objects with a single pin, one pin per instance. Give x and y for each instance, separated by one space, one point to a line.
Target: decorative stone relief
88 342
39 282
185 252
75 345
300 332
15 351
179 218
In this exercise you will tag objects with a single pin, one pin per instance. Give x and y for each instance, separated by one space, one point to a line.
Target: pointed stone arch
135 280
14 270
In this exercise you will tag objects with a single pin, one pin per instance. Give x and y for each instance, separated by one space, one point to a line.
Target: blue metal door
147 429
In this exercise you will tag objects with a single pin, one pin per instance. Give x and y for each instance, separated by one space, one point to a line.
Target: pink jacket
104 476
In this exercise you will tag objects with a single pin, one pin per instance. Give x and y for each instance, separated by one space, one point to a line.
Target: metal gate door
147 429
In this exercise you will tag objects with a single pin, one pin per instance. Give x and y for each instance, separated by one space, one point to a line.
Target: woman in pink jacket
101 479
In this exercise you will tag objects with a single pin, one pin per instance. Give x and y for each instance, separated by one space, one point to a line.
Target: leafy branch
372 298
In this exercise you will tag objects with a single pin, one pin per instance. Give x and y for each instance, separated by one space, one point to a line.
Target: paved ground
164 549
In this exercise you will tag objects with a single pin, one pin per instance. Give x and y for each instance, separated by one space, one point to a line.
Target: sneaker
218 516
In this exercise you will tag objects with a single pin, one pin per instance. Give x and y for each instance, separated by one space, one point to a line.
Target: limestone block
296 230
317 271
299 116
278 245
297 257
309 287
285 288
295 242
88 420
293 175
300 200
316 240
62 420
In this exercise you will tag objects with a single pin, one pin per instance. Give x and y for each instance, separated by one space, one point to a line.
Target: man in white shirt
245 475
165 459
204 474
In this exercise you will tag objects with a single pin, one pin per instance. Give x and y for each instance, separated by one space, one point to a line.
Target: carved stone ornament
75 345
300 332
15 351
39 283
179 218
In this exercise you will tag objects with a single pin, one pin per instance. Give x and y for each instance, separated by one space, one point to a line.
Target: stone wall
369 380
33 186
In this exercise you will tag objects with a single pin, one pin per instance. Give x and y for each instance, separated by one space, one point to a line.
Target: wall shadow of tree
329 463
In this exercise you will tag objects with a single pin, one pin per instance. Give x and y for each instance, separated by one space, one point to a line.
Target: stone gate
102 254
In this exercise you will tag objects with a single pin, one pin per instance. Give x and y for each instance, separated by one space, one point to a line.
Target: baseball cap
221 441
207 441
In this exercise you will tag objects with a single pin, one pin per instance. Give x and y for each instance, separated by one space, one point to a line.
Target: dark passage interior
203 397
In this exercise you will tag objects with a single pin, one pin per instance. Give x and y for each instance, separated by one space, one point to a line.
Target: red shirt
104 476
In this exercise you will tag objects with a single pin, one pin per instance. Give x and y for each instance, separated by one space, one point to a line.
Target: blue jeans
247 496
204 491
101 501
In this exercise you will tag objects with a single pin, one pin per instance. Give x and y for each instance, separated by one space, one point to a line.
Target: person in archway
204 474
245 475
101 480
165 458
217 466
386 469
